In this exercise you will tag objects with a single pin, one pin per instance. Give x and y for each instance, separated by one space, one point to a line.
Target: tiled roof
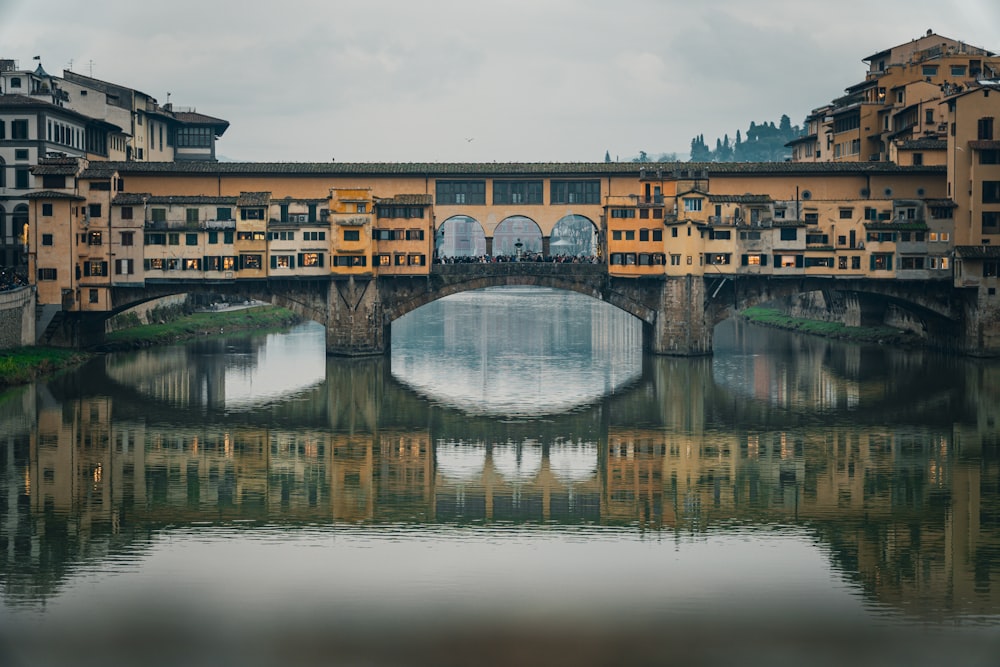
194 118
977 251
53 194
941 203
100 170
140 198
408 200
485 169
982 145
254 199
54 169
924 145
740 199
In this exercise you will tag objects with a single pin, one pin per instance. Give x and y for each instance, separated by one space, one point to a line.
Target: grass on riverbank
258 318
24 364
881 334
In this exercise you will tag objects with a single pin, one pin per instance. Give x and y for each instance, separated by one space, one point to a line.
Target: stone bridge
678 313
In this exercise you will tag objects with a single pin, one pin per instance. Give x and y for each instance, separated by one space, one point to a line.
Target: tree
607 156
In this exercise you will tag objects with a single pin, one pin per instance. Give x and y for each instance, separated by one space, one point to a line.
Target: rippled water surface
514 484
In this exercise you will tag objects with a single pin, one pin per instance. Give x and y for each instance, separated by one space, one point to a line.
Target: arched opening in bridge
574 236
460 236
517 236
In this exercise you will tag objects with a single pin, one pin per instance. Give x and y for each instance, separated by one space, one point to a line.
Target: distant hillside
763 143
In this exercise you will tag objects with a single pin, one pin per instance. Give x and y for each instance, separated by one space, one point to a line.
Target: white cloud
527 79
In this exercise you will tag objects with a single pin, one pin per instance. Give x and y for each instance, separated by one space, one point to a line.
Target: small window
46 239
47 210
352 235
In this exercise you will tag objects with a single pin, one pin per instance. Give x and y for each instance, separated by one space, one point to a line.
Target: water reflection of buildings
907 512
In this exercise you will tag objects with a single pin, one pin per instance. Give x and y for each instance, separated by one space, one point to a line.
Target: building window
881 262
173 239
958 70
991 192
155 238
314 236
789 234
918 159
95 268
127 238
575 192
94 238
414 235
126 212
191 239
517 192
46 239
194 137
460 192
352 235
692 204
675 260
158 215
251 213
191 215
124 267
19 129
991 222
47 210
21 178
251 261
223 213
47 274
643 234
929 70
616 235
94 296
985 129
623 213
846 213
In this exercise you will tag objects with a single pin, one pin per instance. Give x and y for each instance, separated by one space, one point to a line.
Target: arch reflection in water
226 373
522 352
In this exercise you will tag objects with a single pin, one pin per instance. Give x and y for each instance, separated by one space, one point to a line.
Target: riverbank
882 335
22 365
25 364
199 324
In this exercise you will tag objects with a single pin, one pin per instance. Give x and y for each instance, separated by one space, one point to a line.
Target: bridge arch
587 279
927 308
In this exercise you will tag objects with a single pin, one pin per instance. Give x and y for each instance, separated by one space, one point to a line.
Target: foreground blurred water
515 483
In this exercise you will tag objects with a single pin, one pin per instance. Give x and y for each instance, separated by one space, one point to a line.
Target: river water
516 483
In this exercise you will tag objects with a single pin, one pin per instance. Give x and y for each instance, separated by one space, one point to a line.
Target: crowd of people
10 280
524 257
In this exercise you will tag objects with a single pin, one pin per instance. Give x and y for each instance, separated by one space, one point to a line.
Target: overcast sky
467 80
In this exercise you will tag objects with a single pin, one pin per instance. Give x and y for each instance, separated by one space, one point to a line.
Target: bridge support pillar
681 326
982 325
354 318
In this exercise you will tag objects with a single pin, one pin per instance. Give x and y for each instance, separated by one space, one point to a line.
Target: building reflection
908 512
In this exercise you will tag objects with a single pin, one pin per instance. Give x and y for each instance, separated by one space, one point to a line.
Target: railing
159 225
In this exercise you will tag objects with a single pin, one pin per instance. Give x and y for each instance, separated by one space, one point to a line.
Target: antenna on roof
91 64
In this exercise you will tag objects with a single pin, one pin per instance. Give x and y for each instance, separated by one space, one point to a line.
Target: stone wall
17 317
141 312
